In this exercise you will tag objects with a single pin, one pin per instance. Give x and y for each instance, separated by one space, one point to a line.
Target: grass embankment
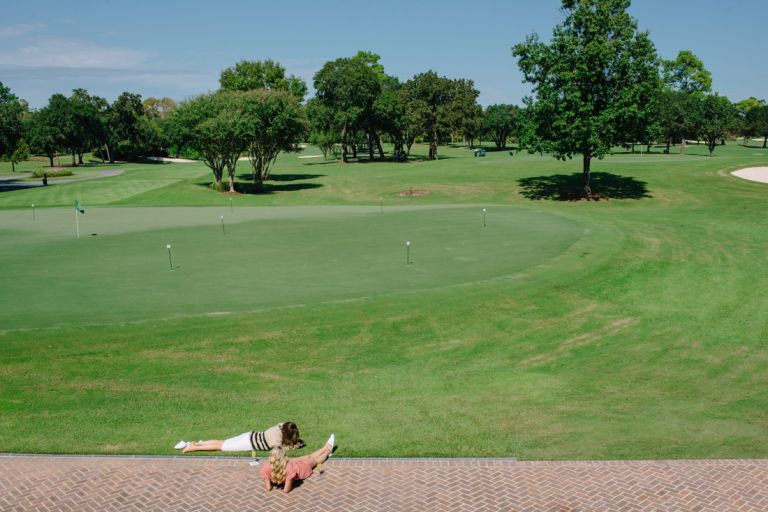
628 328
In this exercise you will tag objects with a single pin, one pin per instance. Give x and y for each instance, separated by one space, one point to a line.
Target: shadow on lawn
570 187
284 177
266 189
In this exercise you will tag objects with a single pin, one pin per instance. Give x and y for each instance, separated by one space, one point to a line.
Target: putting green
119 270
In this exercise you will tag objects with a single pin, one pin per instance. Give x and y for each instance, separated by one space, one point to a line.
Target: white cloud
21 29
69 53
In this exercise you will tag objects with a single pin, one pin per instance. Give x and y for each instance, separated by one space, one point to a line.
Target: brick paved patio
205 483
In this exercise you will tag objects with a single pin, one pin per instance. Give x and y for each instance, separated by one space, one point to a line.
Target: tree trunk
13 166
370 146
74 156
587 163
109 155
682 146
80 158
378 144
765 140
50 159
433 144
344 144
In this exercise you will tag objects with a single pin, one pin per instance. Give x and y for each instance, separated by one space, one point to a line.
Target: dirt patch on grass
413 193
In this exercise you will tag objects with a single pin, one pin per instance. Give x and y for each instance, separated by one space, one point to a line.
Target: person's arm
288 485
267 484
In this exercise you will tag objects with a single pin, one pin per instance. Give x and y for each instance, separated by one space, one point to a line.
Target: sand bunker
753 174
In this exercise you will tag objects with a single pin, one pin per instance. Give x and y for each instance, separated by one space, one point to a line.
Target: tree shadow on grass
283 177
570 187
266 189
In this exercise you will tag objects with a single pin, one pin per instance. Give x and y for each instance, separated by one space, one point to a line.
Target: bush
52 174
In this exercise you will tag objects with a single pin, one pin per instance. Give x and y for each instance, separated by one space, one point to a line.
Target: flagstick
77 223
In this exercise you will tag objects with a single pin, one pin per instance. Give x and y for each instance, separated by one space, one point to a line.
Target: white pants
241 443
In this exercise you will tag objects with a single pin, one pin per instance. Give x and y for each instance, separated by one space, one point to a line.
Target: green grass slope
626 328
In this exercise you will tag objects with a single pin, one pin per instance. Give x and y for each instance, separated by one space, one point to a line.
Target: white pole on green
230 206
223 231
381 204
78 209
33 213
484 210
407 253
170 260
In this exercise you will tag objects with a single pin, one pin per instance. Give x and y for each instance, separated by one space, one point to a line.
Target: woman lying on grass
282 470
283 435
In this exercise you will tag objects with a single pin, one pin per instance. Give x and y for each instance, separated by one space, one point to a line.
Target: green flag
78 207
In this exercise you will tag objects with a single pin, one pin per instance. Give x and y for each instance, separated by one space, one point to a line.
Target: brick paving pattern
54 483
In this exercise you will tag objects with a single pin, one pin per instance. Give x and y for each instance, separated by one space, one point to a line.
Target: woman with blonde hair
283 434
282 470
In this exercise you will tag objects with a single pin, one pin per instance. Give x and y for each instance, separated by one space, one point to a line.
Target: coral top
297 469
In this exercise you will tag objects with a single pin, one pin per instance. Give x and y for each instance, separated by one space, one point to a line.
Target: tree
20 154
125 119
715 117
218 131
389 113
348 88
274 122
598 77
42 134
743 108
159 108
247 75
12 111
672 115
757 121
465 116
686 73
438 105
501 122
322 126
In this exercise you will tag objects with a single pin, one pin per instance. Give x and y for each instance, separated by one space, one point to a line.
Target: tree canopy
247 75
686 73
593 85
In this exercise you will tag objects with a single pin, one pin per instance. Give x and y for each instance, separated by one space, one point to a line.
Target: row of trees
125 129
597 84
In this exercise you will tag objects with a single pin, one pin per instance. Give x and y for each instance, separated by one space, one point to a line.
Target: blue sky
178 48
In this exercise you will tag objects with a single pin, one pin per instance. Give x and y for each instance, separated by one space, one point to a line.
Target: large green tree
597 77
501 122
218 131
757 121
686 73
348 88
12 112
247 75
42 134
439 105
274 122
715 117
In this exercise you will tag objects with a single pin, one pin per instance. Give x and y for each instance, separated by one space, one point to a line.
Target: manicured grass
628 328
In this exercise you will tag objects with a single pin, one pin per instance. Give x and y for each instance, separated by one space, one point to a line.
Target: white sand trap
753 174
171 160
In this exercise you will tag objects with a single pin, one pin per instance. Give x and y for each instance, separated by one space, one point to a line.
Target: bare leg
208 446
319 456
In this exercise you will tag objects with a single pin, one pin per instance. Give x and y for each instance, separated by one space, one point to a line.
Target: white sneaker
181 445
332 442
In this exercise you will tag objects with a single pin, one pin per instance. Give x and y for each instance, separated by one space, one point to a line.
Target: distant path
11 183
167 484
753 174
